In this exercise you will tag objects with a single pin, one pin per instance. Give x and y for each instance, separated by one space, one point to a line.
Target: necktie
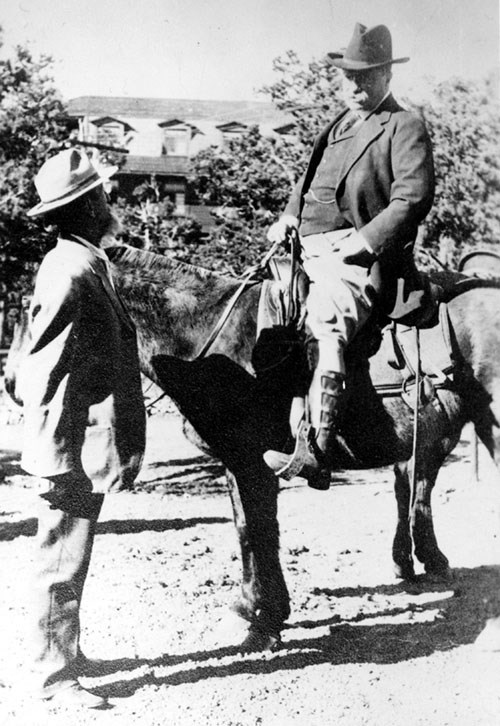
347 124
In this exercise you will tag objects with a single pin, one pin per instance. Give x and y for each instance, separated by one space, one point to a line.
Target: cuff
363 241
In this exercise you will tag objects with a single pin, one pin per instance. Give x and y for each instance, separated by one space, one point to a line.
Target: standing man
84 418
368 185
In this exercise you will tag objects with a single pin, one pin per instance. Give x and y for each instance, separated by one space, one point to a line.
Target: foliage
32 126
150 221
310 94
231 247
153 226
464 126
248 175
251 179
248 184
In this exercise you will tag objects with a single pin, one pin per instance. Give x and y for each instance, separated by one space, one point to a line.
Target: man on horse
84 419
368 185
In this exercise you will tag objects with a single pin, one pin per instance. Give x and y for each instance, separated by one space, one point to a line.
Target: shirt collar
363 115
95 250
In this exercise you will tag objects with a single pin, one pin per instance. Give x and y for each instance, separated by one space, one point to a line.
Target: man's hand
355 250
278 232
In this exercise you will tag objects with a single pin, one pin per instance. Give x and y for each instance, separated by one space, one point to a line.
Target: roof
232 126
176 123
163 165
247 112
111 119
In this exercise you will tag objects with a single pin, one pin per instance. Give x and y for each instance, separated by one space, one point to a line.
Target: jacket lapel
366 134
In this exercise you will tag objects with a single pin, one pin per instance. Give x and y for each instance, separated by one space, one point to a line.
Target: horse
239 416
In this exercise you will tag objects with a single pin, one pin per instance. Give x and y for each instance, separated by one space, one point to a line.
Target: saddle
282 332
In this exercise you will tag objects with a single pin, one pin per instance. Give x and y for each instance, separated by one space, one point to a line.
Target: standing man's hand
278 232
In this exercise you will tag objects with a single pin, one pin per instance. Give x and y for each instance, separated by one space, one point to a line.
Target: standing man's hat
65 177
369 48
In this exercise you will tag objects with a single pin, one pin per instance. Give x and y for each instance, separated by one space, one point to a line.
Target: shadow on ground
28 527
460 620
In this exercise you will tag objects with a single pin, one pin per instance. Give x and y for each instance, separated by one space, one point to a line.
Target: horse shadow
459 620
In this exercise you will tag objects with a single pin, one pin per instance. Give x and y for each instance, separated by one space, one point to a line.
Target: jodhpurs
340 299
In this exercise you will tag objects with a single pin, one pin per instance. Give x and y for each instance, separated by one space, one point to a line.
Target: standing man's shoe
74 696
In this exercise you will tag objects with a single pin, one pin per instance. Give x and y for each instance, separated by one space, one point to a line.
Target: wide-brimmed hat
65 177
369 48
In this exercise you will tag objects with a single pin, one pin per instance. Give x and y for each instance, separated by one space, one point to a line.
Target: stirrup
302 453
304 460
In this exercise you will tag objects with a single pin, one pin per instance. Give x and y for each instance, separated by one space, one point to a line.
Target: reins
250 278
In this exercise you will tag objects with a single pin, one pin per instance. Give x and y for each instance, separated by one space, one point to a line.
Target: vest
320 212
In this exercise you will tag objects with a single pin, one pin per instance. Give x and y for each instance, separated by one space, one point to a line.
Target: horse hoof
405 572
245 612
440 574
258 640
489 638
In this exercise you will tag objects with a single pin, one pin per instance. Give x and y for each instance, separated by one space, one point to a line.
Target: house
158 136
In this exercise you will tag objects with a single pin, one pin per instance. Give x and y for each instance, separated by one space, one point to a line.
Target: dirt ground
360 647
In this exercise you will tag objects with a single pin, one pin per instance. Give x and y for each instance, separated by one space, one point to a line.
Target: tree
250 180
149 221
464 125
33 124
310 93
248 183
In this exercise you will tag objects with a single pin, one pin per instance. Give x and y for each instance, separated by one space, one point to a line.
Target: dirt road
360 649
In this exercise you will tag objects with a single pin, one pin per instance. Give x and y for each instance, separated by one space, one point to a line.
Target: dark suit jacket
385 186
80 381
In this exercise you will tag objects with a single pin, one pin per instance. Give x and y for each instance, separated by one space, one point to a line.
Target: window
176 141
111 131
232 131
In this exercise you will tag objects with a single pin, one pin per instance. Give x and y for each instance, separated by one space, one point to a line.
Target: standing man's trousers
67 517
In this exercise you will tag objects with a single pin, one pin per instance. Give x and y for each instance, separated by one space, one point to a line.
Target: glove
355 250
278 232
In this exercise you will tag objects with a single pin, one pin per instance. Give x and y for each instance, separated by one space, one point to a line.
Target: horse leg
258 494
421 524
402 543
248 604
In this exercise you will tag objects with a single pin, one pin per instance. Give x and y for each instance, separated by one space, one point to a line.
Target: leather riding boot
326 401
63 549
310 457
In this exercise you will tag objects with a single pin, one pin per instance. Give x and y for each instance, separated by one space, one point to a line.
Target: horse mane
153 264
172 300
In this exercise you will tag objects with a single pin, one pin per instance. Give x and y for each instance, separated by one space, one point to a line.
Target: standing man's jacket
80 382
385 186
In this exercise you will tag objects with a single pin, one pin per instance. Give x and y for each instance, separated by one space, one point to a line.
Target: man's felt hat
368 48
65 177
